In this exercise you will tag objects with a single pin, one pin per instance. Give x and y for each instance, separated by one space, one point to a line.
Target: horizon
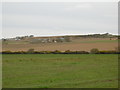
59 35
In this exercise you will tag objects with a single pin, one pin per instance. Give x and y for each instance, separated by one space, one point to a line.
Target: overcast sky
58 18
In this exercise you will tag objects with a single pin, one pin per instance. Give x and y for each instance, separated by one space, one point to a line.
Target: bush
76 52
94 51
82 52
56 52
30 50
6 52
67 52
108 52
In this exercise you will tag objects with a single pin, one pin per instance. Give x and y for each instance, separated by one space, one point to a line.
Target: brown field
80 44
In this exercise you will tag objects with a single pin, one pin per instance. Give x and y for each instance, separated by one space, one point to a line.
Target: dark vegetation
92 51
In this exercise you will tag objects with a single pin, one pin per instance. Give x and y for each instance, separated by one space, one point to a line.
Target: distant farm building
49 40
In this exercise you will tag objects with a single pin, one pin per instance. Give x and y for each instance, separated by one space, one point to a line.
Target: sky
58 18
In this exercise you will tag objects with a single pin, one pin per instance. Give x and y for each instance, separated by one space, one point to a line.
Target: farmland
60 71
79 44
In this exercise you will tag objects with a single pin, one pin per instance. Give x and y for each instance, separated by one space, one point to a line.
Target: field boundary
93 51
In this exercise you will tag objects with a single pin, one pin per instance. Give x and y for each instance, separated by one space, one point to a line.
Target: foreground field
60 71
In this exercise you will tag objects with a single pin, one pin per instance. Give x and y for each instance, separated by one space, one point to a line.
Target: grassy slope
73 71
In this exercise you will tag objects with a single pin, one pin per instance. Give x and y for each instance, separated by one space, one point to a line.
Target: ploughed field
60 71
80 44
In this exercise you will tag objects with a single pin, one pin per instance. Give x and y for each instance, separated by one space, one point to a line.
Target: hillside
62 43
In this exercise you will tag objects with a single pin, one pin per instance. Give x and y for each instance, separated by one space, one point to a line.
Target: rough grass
60 71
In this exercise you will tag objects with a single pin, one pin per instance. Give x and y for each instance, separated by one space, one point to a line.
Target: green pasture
60 71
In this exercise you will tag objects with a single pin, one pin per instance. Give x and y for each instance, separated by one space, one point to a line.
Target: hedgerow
31 51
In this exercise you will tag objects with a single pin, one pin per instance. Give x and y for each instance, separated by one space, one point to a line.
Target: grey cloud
59 18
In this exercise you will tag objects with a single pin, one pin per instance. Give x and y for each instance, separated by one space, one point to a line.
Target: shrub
94 51
108 52
30 50
7 52
75 52
82 52
67 52
56 52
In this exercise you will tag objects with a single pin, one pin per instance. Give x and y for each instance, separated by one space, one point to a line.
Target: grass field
60 71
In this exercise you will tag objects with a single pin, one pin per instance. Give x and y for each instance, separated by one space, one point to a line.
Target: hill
62 43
